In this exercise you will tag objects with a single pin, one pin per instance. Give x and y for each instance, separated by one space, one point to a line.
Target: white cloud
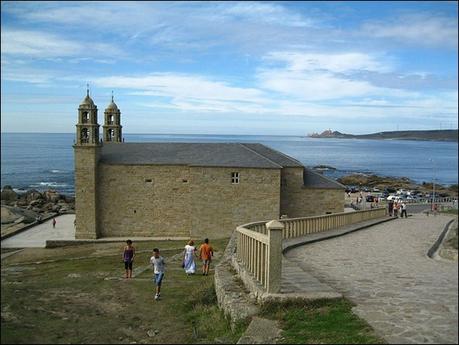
313 86
424 29
332 62
37 44
181 86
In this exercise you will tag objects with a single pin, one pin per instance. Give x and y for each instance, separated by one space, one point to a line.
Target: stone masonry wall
300 201
182 201
218 206
86 159
144 201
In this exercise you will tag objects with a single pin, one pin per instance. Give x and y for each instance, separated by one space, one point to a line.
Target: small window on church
85 118
148 180
234 177
110 120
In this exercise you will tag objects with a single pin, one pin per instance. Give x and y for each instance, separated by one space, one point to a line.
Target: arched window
111 134
84 135
110 119
85 117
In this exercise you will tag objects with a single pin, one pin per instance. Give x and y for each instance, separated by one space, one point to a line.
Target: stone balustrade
259 244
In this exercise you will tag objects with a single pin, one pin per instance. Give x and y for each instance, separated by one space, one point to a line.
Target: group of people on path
395 208
190 252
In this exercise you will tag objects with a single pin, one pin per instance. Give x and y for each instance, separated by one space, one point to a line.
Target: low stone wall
237 303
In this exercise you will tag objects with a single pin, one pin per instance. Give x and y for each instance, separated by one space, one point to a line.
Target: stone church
185 190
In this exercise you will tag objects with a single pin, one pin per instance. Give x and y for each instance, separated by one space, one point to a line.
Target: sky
270 68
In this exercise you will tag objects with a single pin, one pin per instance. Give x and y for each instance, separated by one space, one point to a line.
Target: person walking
188 258
128 258
396 208
205 253
54 223
158 263
403 207
391 207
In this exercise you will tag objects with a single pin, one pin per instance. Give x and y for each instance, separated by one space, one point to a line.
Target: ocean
45 161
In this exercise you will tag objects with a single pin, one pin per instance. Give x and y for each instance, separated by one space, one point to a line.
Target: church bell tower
87 126
87 151
112 125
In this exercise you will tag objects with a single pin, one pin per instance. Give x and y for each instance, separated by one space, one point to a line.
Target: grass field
85 300
78 295
321 322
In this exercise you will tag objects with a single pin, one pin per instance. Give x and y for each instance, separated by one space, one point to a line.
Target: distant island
437 135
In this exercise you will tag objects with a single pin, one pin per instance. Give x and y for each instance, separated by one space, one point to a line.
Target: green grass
75 295
452 211
320 322
70 301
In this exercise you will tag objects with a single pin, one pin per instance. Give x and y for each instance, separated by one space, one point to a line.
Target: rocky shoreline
387 182
19 209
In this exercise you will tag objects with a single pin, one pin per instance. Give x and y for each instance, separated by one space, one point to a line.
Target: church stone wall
86 159
218 206
300 201
144 201
182 201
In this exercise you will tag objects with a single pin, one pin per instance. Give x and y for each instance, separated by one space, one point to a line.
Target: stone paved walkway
37 236
404 295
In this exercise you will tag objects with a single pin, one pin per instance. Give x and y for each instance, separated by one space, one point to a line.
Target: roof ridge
324 177
281 153
259 154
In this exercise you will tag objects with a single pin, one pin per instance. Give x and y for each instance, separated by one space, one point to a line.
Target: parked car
370 198
376 190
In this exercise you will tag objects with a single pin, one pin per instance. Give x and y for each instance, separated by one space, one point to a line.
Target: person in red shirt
205 253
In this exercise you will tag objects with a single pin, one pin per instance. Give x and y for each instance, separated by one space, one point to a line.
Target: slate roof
236 155
192 154
312 179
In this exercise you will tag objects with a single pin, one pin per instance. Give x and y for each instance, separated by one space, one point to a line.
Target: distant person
128 258
188 258
390 207
54 223
205 253
158 263
74 223
396 208
403 208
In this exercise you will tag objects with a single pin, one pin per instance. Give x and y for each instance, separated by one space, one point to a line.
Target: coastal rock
8 194
48 206
32 194
13 214
35 203
51 195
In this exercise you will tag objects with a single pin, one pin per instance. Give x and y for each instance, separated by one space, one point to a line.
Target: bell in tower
87 126
112 126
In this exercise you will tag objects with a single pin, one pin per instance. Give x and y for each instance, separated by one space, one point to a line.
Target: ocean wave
56 171
49 184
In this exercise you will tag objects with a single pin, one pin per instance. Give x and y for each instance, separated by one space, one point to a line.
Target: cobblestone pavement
403 294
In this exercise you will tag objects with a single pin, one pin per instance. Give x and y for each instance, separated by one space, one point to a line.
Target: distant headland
437 135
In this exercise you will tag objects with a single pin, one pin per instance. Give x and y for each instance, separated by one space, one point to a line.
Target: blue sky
231 67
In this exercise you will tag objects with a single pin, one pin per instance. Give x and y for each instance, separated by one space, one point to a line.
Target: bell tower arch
112 124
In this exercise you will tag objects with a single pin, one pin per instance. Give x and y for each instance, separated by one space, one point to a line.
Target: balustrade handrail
257 243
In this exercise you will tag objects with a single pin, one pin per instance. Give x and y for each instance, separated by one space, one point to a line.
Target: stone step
261 331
